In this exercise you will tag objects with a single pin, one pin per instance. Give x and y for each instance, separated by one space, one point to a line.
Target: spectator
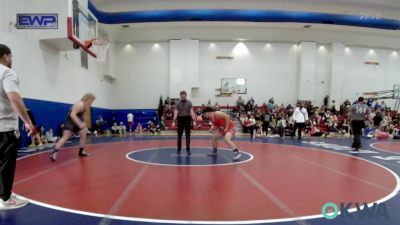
99 126
115 128
266 120
168 101
377 106
257 115
326 101
169 113
315 131
346 110
216 106
199 112
377 120
249 105
130 118
251 125
300 117
259 128
369 102
60 130
35 137
42 135
139 129
281 126
239 102
122 128
346 126
347 102
386 122
152 128
162 125
290 123
272 101
383 105
252 102
50 136
333 107
272 124
333 123
270 104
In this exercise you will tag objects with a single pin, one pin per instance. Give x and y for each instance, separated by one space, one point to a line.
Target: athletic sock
236 150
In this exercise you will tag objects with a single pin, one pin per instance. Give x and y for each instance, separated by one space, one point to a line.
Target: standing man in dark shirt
377 120
185 114
358 113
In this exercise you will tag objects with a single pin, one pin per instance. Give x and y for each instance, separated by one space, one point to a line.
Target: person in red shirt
222 126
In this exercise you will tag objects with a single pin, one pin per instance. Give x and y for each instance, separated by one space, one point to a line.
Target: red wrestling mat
281 182
393 147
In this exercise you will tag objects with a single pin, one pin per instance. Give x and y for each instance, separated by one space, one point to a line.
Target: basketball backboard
82 25
396 91
233 85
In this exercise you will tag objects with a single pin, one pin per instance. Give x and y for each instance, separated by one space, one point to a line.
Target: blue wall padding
243 15
50 114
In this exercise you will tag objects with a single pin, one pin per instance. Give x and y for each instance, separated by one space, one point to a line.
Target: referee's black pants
299 127
9 145
357 126
184 123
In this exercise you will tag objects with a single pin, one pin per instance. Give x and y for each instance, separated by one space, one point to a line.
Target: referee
184 112
11 106
358 113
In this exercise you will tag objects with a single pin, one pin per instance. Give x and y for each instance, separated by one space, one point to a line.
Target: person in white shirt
11 107
115 129
251 124
281 125
300 117
50 136
122 128
130 118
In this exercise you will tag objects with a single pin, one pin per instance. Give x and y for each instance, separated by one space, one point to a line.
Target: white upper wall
261 66
142 75
270 70
360 77
46 73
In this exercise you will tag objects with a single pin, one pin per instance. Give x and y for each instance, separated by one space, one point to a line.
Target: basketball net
100 47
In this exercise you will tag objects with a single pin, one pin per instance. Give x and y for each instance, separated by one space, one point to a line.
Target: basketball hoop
100 47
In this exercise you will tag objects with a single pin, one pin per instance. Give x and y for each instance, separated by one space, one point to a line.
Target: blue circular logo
199 157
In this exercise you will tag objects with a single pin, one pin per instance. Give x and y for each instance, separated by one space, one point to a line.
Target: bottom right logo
331 210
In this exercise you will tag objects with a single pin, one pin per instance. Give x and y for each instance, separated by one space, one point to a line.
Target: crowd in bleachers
330 119
272 119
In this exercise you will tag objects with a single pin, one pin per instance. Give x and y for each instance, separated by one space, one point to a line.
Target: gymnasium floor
140 180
